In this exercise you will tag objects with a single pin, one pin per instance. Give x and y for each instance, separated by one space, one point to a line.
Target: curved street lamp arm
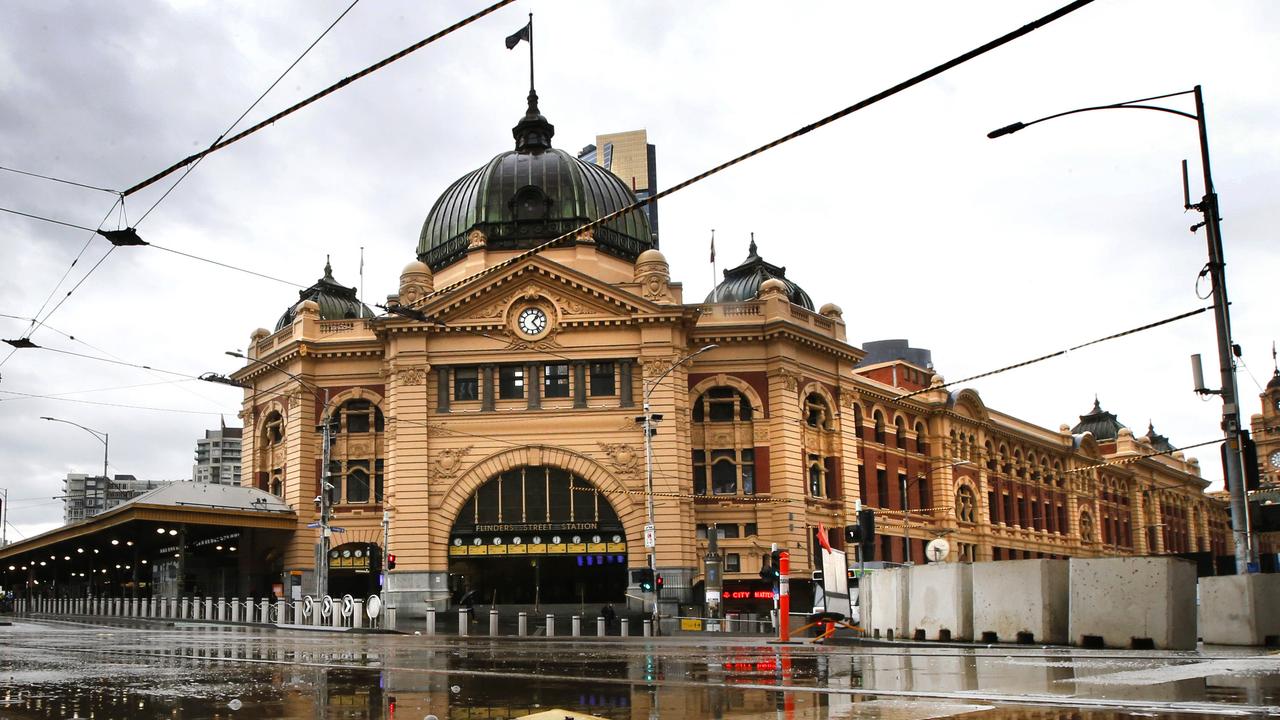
651 386
1127 105
100 435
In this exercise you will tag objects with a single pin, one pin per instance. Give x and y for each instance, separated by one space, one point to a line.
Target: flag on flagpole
525 33
822 537
713 246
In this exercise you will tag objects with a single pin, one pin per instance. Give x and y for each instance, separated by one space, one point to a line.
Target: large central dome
529 195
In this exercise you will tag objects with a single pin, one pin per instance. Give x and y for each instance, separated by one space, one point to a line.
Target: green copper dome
743 283
336 302
1103 425
529 195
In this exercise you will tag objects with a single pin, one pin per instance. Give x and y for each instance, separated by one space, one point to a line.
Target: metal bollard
208 608
463 625
357 615
280 612
431 621
295 618
133 607
220 609
551 625
493 622
522 624
648 627
576 624
336 615
626 627
600 627
264 611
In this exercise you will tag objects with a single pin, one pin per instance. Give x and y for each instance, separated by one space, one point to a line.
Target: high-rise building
630 156
218 457
87 495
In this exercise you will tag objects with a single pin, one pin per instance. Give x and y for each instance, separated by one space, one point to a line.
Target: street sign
337 529
937 549
649 537
313 525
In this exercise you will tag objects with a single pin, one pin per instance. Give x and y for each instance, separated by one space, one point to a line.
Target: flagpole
714 275
530 52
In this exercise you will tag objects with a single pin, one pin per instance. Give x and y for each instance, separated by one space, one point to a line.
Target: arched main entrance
354 569
537 535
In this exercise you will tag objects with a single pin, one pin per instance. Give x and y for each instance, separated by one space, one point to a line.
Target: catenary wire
889 92
1055 354
59 180
98 390
327 91
110 404
249 109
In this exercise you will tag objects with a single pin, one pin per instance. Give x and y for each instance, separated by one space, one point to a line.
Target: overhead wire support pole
1233 457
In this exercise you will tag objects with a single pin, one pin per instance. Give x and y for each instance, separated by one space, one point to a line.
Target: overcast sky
905 214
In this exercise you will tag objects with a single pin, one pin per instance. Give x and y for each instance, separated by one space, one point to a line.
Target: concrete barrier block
888 596
1240 610
940 601
1138 602
1021 601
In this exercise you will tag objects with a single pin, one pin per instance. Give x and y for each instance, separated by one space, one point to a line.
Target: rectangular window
556 381
724 472
377 481
357 481
816 479
729 531
511 382
902 486
748 468
699 472
750 530
882 488
701 531
602 379
732 562
466 384
923 483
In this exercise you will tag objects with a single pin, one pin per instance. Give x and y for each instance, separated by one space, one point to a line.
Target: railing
343 613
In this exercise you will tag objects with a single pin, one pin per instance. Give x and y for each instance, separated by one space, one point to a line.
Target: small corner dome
524 197
745 282
334 301
1100 423
651 256
417 267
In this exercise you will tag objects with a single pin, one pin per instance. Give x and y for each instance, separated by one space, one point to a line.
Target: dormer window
530 203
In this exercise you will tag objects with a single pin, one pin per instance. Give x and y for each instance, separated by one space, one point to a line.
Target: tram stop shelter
184 538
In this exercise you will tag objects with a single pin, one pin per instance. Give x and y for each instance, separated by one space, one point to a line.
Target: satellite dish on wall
937 550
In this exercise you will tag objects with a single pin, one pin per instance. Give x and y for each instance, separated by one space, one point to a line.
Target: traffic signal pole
784 596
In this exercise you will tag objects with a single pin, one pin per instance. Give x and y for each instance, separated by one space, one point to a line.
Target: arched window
817 413
879 430
273 429
356 468
277 487
857 421
725 465
722 404
901 429
817 477
966 504
356 417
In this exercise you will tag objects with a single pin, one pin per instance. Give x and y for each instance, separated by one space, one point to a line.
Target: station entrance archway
537 535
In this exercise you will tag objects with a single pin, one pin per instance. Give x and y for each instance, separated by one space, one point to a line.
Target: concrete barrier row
466 619
1137 602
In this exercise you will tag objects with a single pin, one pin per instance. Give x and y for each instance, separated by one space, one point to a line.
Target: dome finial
533 133
328 270
751 249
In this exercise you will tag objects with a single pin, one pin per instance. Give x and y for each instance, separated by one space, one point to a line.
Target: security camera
319 500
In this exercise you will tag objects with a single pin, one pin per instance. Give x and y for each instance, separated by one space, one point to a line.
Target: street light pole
1234 457
906 506
648 421
322 562
104 438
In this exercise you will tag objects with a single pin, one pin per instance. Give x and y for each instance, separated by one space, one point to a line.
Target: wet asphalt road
63 669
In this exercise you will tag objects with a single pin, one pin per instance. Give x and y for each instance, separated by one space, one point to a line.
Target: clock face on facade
532 321
1275 460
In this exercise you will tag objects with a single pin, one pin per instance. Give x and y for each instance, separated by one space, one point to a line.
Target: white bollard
280 612
357 615
576 624
463 624
626 627
431 621
134 607
264 611
493 622
522 624
648 627
336 616
208 608
600 627
551 625
296 617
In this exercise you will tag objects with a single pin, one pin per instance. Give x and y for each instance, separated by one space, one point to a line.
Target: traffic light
658 583
644 578
866 533
391 561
